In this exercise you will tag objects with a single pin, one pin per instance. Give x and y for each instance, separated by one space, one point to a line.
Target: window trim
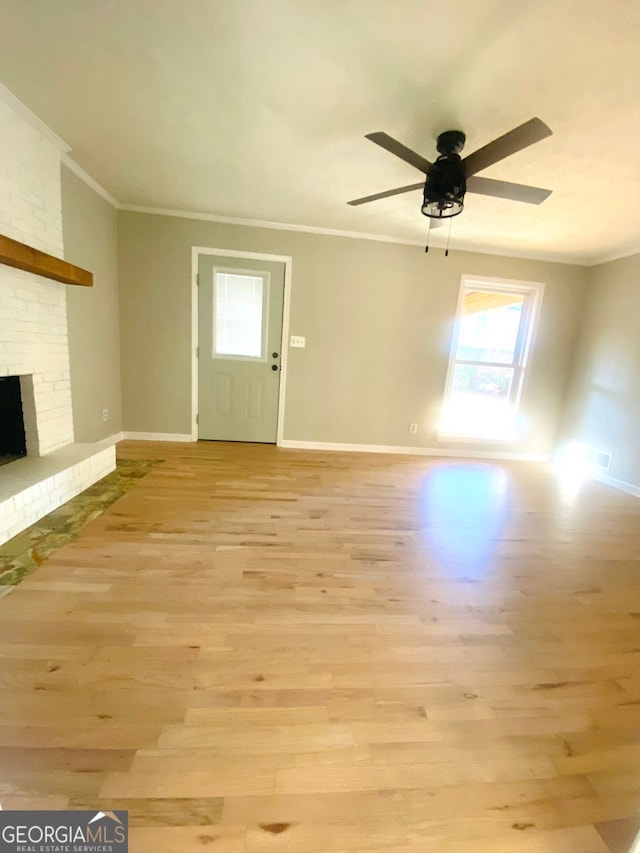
533 292
265 275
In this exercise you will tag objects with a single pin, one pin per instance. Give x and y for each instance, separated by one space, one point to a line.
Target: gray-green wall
90 227
377 318
603 403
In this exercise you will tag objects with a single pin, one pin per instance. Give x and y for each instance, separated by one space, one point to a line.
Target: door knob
274 367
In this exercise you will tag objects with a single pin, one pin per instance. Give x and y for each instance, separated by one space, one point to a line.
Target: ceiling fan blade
386 194
505 189
526 134
394 147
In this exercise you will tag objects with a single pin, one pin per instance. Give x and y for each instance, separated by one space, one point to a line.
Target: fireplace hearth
12 436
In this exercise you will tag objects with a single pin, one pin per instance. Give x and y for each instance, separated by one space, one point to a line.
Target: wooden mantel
15 254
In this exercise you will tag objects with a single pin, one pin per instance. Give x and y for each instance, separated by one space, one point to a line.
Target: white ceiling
258 108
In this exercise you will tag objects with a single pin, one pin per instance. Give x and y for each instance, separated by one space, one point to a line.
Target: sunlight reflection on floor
464 509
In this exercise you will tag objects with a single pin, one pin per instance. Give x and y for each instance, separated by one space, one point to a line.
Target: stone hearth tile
23 554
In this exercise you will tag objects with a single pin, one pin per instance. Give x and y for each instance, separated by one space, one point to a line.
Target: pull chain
426 248
446 254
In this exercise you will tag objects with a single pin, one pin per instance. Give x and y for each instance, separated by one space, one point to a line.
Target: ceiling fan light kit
450 177
446 184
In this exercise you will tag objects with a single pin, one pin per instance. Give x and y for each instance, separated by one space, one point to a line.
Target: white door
240 337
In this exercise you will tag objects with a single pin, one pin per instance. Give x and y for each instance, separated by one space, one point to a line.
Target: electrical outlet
298 341
413 428
105 414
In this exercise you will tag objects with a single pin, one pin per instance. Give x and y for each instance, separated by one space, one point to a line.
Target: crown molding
354 235
7 97
618 256
335 232
263 223
91 182
541 257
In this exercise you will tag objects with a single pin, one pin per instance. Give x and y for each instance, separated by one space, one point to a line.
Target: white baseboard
621 485
112 439
414 451
157 436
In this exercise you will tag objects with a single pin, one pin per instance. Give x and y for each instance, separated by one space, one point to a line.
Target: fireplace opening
12 436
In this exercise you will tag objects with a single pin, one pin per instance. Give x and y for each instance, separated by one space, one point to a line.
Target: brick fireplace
13 441
33 329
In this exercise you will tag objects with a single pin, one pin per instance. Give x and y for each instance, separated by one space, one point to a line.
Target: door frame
287 260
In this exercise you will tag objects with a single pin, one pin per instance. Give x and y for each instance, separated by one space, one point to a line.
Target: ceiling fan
450 177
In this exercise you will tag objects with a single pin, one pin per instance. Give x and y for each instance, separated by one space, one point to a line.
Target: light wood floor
267 650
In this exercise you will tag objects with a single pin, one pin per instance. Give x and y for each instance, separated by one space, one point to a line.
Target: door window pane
238 315
489 326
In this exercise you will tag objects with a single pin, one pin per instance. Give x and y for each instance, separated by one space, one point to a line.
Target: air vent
598 459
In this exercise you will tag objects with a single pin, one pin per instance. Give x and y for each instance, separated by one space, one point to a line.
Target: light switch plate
298 341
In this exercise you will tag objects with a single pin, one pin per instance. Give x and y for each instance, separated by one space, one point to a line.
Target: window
489 358
239 314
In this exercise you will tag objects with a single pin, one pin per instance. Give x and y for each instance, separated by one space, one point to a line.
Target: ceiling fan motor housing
445 187
451 142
